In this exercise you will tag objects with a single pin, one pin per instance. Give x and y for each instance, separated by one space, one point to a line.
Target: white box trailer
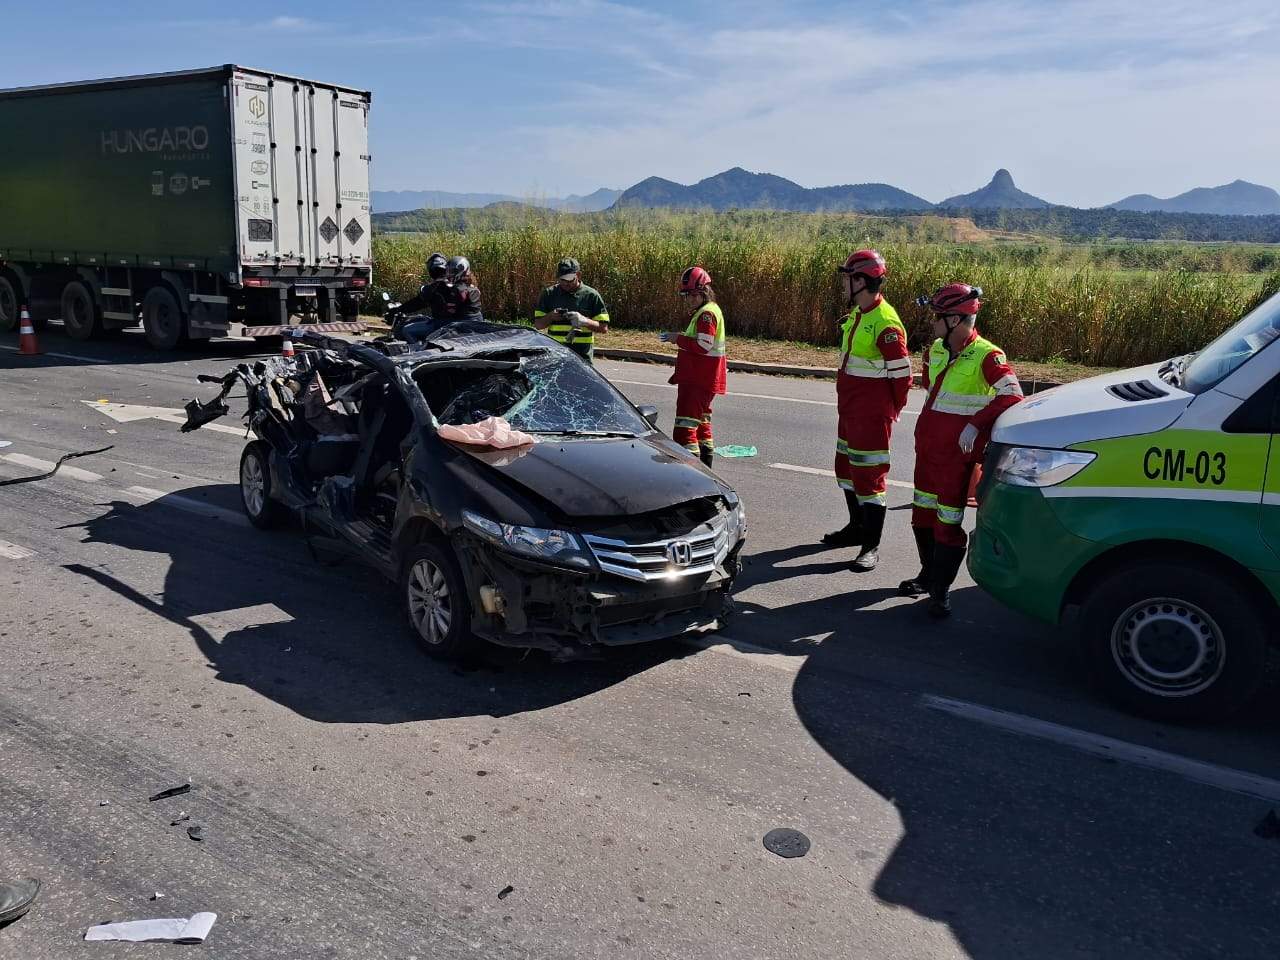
201 203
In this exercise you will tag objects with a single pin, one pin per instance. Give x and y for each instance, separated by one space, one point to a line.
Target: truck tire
435 599
162 319
255 487
80 317
1174 640
8 306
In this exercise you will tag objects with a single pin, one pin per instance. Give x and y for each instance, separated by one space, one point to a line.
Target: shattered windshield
549 393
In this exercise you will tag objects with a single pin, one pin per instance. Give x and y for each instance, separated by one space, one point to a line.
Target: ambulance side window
1258 414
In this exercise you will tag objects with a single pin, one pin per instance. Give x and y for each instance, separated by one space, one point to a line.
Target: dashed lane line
11 551
814 471
1210 774
146 495
35 463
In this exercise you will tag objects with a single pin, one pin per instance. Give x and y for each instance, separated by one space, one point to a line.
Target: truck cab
1142 510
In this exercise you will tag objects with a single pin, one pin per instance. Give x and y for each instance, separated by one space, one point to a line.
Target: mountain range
394 201
739 189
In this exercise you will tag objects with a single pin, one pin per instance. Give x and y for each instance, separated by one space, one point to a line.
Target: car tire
434 595
1174 641
162 319
9 307
79 313
255 487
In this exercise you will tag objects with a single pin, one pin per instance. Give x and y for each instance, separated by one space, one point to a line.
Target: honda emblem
679 553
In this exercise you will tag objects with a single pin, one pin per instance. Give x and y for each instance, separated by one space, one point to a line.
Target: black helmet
457 268
435 266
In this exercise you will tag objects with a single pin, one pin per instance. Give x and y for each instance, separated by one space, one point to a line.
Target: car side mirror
650 414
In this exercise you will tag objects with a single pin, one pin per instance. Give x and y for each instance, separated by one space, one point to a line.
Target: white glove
968 437
576 320
666 337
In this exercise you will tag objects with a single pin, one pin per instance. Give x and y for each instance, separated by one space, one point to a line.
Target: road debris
196 833
786 842
1269 828
156 896
182 819
736 450
49 473
506 892
193 929
171 792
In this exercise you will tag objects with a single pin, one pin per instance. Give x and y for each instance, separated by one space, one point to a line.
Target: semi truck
202 203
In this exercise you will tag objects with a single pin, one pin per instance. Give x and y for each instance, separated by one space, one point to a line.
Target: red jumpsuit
870 394
700 375
980 385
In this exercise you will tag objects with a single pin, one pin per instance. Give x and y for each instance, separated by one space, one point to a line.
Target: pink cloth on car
491 432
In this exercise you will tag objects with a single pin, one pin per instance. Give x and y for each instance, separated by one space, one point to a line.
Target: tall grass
775 277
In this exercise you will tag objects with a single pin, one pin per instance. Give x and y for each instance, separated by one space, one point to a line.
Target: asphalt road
965 792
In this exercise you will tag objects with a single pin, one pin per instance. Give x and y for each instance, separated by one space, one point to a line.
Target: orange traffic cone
27 343
287 348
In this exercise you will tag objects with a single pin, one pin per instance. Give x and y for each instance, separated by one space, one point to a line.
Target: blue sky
1084 101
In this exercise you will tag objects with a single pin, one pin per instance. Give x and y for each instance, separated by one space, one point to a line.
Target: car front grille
692 554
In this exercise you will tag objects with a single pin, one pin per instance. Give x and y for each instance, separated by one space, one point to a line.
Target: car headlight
736 517
1035 467
551 546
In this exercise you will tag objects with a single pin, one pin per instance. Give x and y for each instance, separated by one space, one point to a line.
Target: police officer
970 383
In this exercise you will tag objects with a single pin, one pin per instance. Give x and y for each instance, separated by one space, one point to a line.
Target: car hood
603 477
1086 410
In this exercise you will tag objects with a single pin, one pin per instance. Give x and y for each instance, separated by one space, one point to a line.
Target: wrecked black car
596 530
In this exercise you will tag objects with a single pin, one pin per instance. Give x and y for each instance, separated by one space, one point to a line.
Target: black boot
918 585
946 565
872 527
706 455
850 535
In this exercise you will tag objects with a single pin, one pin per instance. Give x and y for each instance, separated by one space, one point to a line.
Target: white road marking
1210 774
146 495
128 412
814 471
35 463
752 396
11 551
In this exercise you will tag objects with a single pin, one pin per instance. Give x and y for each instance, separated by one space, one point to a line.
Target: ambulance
1141 509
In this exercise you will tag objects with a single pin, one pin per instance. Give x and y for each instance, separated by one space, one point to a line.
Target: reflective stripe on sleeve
951 515
925 501
868 458
1008 386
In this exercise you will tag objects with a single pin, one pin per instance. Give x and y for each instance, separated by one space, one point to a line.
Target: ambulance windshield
1222 357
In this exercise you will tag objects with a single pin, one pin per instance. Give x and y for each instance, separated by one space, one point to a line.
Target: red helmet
954 298
694 279
868 263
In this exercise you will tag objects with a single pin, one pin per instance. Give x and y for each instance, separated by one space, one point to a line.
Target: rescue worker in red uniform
969 383
871 390
700 366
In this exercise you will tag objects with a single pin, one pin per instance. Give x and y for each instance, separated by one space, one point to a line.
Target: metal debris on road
506 892
171 792
196 833
182 819
786 842
192 929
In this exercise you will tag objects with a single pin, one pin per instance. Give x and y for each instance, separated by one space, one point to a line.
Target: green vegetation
1106 304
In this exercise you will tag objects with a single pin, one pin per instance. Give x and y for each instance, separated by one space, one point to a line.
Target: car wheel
8 306
255 487
435 598
79 313
162 319
1174 641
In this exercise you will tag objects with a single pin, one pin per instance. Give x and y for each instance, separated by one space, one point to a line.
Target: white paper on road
176 930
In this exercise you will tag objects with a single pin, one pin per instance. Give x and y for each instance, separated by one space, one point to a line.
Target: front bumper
1021 553
519 603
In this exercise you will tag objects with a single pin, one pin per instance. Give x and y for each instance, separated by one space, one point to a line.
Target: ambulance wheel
1174 641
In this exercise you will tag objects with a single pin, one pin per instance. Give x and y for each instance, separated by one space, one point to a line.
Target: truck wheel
8 306
255 487
79 312
1174 641
162 320
435 598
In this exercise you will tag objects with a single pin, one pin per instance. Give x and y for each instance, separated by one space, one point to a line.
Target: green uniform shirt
586 301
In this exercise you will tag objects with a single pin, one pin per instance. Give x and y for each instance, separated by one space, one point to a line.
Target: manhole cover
328 229
786 842
353 231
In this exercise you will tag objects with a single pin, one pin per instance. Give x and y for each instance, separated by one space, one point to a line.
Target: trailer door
351 174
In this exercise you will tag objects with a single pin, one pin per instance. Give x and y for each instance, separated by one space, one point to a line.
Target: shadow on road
328 642
131 347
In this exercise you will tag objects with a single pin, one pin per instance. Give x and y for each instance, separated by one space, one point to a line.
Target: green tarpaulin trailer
201 203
